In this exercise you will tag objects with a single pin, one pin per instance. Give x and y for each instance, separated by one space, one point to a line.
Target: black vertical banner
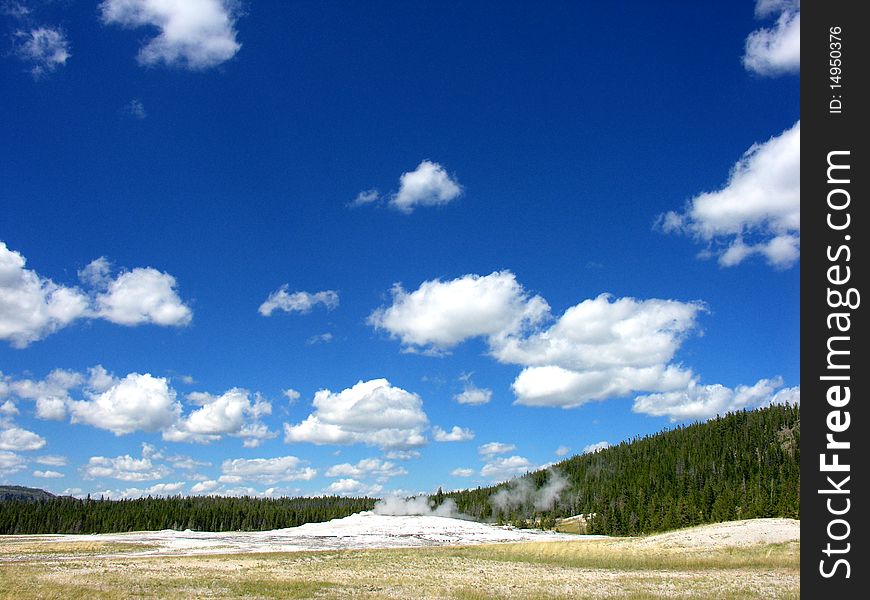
834 370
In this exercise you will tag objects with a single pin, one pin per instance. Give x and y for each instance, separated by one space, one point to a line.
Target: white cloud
402 454
366 197
352 487
204 487
10 463
51 460
457 434
232 413
8 409
504 468
462 472
757 212
440 314
266 470
291 395
705 401
135 403
32 307
372 412
50 394
473 395
301 302
15 438
323 338
562 451
777 50
592 448
44 48
48 474
427 185
367 468
158 489
195 34
143 295
493 448
124 468
136 109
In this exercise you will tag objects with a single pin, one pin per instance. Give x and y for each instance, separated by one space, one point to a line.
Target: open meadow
746 559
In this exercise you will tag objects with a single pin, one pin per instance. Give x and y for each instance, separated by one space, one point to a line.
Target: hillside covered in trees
743 465
63 514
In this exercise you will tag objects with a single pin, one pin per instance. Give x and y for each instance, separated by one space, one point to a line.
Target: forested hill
740 466
63 514
26 494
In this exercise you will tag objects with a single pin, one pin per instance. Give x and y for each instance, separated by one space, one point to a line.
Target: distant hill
743 465
21 493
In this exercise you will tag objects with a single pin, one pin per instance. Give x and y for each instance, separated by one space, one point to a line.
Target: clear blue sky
205 206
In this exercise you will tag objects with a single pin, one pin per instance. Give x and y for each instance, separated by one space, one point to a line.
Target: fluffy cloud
301 302
44 48
457 434
705 401
462 472
51 394
32 306
352 487
592 448
135 403
757 212
124 468
440 314
266 470
777 50
48 474
366 197
504 468
51 460
427 185
8 409
158 489
562 451
600 348
372 412
195 34
15 438
143 296
10 463
493 448
232 413
473 395
204 487
367 468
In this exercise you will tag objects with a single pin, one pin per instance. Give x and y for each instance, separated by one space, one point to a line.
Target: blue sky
354 248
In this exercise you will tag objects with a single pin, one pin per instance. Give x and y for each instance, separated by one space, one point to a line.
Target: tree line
743 465
64 514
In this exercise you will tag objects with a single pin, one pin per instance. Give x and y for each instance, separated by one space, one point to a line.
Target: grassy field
534 570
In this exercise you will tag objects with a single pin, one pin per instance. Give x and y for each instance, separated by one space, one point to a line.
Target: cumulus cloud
136 109
32 306
48 474
440 314
194 34
366 197
473 395
124 468
158 489
10 463
43 48
427 185
402 454
598 349
51 460
204 487
461 472
756 213
8 409
51 394
500 469
138 402
562 451
373 412
143 295
301 302
457 434
592 448
351 487
232 413
15 438
705 401
266 470
367 468
493 448
775 50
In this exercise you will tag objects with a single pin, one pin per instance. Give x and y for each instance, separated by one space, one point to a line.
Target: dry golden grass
537 570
